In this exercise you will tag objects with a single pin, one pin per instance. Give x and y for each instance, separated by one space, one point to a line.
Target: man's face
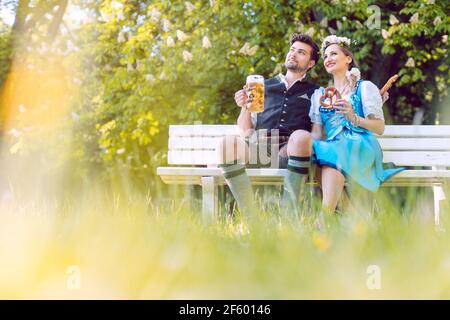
298 58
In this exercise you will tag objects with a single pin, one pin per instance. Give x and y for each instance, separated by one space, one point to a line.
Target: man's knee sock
240 186
294 181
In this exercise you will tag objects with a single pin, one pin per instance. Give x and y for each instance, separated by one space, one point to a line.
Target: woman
350 150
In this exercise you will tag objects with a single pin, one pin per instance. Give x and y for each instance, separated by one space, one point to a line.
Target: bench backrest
404 145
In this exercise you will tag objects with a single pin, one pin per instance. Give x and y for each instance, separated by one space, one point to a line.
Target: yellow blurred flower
321 242
359 229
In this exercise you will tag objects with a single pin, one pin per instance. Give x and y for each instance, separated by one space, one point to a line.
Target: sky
74 14
7 14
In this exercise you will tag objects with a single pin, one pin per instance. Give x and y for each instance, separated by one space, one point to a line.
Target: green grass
132 245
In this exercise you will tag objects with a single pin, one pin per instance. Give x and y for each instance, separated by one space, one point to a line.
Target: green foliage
5 51
144 65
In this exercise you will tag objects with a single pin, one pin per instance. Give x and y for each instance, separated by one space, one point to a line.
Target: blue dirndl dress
354 151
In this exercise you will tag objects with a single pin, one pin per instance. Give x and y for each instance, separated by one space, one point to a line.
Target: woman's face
334 59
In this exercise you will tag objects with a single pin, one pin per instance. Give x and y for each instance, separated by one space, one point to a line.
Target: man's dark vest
286 110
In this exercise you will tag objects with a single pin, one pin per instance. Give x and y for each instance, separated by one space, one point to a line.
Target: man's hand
241 98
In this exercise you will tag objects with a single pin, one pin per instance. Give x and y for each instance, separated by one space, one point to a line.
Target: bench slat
417 158
198 143
400 158
184 171
202 130
405 131
392 144
198 157
177 175
416 131
415 144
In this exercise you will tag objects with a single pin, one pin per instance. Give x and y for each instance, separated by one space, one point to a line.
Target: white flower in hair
353 75
333 39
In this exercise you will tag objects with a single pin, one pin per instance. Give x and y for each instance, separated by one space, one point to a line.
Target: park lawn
105 243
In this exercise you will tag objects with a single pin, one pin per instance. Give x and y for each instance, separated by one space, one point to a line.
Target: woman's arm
370 123
372 103
316 132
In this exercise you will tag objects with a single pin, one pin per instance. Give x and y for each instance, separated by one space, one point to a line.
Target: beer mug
255 93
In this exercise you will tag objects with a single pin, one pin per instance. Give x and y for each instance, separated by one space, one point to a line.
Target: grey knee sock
294 181
240 186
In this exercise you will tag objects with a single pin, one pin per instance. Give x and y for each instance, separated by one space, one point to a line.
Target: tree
143 65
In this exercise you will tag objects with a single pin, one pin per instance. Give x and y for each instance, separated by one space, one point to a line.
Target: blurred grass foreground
104 242
87 91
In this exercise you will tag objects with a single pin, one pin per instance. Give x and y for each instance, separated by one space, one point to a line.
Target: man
286 109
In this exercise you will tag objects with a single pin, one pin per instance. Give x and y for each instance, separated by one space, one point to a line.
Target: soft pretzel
329 93
388 84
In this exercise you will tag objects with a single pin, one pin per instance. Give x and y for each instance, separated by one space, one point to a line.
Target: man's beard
295 67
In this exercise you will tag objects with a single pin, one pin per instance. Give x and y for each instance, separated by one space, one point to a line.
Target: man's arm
244 120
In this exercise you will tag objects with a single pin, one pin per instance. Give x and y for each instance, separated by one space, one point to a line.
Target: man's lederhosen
285 110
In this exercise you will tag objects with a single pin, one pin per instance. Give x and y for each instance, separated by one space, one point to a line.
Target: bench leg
210 201
439 195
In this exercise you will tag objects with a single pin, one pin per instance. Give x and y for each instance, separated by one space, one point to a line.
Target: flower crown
353 76
333 39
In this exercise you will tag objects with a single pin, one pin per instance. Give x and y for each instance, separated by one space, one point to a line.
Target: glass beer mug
255 93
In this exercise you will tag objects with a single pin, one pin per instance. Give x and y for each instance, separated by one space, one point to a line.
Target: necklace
344 88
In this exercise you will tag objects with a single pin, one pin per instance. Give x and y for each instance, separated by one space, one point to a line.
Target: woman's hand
344 107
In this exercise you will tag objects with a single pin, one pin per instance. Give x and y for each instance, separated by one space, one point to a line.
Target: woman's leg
332 186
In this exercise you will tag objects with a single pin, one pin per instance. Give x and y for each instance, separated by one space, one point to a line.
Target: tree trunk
418 116
57 19
382 69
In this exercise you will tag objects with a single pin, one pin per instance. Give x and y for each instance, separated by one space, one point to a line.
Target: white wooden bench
424 150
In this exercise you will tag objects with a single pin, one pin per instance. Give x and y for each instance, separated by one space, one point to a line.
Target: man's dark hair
309 41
